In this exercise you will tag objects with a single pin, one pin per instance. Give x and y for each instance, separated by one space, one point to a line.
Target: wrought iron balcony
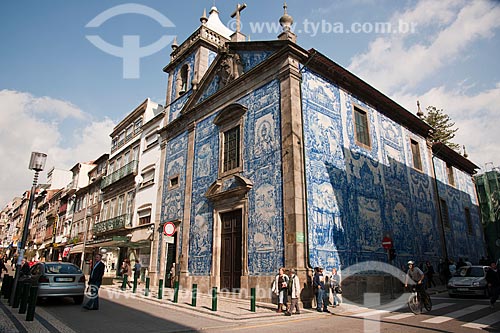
118 222
130 168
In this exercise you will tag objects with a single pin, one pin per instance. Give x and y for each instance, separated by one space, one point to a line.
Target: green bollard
194 294
252 299
24 297
176 291
30 314
146 290
135 283
160 289
124 282
17 295
214 299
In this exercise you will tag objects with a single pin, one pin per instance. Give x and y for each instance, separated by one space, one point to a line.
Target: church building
277 156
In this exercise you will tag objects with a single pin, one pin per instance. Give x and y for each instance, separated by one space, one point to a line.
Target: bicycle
419 300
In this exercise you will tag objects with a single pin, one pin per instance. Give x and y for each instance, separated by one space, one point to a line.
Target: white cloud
476 117
29 123
402 64
395 62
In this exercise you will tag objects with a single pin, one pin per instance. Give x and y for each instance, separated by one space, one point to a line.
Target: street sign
386 243
169 228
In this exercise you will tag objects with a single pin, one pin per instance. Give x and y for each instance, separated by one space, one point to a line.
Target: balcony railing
115 223
126 170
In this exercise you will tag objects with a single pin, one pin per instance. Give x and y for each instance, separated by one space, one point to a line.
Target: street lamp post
37 163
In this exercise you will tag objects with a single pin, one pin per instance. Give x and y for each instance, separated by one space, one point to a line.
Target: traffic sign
169 228
386 243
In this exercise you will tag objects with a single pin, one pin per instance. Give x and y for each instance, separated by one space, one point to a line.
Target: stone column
294 197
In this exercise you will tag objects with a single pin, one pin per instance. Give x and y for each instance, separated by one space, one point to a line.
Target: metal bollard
194 294
24 297
124 281
146 290
30 314
8 287
252 299
17 296
176 291
135 283
214 299
160 289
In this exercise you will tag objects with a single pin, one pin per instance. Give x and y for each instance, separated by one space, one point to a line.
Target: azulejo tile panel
356 196
172 207
176 107
262 165
250 59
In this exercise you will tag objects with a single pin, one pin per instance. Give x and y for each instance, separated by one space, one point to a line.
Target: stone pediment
228 67
234 187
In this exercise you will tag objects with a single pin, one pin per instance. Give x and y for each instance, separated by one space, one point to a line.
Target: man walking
95 282
493 279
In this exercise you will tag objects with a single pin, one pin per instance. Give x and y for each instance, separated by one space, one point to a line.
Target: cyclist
416 275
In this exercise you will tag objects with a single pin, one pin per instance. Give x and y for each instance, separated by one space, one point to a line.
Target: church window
230 122
362 131
468 220
415 152
184 79
451 177
445 217
231 149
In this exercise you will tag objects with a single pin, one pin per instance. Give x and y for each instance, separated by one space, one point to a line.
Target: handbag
338 290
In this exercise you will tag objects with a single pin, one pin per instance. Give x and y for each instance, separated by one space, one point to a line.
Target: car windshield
470 272
62 269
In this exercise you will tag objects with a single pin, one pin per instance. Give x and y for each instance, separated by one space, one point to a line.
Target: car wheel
78 299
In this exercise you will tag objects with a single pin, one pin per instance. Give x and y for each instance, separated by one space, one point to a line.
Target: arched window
184 79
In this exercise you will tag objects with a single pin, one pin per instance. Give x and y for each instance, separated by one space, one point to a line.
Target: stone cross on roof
237 13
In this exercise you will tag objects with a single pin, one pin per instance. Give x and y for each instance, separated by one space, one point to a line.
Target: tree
444 129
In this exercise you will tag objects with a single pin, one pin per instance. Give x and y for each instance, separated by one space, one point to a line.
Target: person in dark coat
2 267
95 282
493 279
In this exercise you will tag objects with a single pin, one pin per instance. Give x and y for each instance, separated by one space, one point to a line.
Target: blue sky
62 95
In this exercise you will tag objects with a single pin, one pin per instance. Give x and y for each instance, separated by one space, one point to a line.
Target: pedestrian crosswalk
477 316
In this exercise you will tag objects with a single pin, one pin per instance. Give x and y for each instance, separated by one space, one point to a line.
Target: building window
121 198
415 152
451 177
362 131
151 140
468 219
148 177
231 149
174 182
184 79
445 217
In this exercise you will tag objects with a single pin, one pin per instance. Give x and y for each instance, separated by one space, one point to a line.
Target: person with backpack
280 288
293 293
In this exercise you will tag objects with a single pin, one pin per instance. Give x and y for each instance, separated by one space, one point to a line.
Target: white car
469 280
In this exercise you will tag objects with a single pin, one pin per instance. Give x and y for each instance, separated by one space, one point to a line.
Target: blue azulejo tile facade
356 195
262 166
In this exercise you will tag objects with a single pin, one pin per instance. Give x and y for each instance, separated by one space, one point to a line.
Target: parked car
469 280
58 279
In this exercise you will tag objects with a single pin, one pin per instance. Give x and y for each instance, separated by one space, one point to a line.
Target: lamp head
37 161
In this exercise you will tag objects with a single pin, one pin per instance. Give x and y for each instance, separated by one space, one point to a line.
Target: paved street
126 312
